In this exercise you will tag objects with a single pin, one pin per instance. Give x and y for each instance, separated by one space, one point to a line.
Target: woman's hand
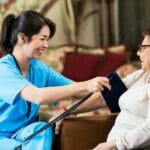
97 84
106 146
57 125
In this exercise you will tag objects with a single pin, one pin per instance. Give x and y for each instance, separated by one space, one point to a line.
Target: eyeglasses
142 47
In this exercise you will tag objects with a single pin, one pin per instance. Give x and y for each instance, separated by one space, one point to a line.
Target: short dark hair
28 22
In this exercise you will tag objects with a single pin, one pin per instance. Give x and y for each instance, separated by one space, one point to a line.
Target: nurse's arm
48 94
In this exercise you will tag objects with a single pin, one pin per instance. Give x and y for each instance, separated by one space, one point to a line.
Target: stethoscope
52 123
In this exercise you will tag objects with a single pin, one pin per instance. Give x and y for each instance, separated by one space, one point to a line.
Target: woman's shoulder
6 58
38 64
42 67
7 65
133 77
6 61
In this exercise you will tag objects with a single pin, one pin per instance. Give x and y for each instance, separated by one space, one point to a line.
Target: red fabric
80 67
1 54
110 63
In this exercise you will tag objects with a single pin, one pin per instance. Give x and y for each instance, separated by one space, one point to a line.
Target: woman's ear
22 38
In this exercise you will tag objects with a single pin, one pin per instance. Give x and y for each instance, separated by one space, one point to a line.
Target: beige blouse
132 126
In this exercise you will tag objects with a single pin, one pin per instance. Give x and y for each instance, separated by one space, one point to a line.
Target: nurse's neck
22 60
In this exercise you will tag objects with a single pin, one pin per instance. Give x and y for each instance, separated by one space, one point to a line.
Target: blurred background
94 23
93 37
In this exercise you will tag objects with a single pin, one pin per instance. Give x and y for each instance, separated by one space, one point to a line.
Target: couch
81 67
81 63
82 133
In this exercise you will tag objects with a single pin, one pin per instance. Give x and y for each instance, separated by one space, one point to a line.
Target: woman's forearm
94 102
47 94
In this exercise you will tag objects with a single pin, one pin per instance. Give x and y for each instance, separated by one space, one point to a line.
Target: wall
134 17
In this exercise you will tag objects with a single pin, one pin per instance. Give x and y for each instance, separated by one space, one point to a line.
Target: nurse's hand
58 123
97 84
58 126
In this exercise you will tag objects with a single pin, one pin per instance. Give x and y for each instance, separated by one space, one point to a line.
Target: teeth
41 51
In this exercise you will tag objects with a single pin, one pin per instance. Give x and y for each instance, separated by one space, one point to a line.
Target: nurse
26 82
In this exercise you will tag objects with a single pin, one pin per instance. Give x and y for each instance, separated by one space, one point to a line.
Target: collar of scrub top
28 103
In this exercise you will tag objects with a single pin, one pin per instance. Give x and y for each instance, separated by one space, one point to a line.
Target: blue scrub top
13 109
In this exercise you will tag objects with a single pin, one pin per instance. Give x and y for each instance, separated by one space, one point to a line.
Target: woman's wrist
81 87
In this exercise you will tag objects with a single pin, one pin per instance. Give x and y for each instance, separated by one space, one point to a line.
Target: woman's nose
45 44
138 53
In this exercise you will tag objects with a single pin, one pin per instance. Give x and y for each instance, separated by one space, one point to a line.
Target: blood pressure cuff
112 96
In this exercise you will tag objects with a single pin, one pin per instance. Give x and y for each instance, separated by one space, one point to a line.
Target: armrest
81 133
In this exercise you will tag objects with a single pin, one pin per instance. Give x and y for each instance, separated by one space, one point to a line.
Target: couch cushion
80 67
83 133
110 63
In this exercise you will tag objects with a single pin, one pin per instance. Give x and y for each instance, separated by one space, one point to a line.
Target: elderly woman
132 126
